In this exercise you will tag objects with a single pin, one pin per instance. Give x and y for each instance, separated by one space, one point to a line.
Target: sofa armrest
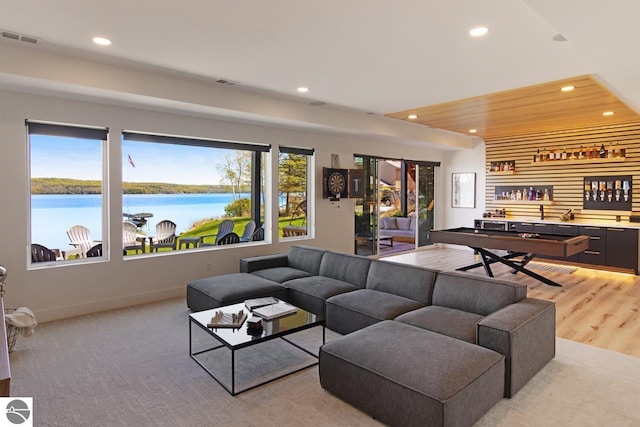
525 333
248 265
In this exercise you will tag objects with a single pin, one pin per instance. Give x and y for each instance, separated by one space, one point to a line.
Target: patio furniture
249 228
130 238
80 238
228 239
258 234
95 251
225 227
165 236
188 242
300 211
292 231
41 253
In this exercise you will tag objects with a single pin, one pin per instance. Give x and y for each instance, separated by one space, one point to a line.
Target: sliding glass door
396 212
426 181
366 211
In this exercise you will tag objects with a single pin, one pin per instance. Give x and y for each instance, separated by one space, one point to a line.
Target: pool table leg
489 258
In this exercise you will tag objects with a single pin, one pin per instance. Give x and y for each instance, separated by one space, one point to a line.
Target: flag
131 161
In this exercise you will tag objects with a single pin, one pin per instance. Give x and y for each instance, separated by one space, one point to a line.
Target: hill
77 186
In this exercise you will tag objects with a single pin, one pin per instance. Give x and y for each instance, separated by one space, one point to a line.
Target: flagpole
128 195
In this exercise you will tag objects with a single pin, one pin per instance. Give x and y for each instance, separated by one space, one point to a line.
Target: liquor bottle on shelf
602 153
552 154
610 152
564 154
581 153
536 156
587 190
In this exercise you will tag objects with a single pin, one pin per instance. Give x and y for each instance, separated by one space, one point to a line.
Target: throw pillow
389 223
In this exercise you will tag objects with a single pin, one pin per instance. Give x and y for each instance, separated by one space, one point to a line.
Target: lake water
52 215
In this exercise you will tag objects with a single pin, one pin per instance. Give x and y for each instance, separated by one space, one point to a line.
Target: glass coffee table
235 339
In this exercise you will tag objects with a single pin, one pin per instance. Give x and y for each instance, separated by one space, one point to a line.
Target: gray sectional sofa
419 346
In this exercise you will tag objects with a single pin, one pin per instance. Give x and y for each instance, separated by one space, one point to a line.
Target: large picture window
294 170
67 197
183 193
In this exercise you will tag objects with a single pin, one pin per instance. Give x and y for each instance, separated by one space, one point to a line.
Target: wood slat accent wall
567 179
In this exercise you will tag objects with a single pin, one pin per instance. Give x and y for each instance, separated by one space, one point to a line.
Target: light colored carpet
132 367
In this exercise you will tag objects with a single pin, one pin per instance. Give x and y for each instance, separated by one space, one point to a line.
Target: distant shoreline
78 186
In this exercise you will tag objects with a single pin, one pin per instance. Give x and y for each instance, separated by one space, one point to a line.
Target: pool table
519 245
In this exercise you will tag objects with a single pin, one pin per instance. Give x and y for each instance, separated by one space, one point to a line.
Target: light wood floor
593 307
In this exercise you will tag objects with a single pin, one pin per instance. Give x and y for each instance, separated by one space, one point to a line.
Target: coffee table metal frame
218 335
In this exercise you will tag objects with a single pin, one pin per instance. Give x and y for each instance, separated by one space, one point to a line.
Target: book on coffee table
254 303
273 311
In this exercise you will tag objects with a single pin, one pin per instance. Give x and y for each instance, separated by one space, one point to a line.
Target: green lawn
210 228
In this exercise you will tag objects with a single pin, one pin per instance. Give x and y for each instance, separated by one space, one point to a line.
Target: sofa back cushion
388 223
406 281
475 294
305 258
403 223
347 268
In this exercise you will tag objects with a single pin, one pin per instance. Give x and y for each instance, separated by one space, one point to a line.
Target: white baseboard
108 304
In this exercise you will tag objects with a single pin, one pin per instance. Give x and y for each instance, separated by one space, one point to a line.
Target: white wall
463 161
71 289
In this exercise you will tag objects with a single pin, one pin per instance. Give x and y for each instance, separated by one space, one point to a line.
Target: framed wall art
463 190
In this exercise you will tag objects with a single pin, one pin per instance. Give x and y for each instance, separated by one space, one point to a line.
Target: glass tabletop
242 337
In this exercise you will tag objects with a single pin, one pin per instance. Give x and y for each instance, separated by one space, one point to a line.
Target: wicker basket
12 331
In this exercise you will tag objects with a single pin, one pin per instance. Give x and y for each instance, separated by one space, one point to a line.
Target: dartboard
336 183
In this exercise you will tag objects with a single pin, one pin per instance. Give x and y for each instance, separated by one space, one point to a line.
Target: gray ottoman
404 375
217 291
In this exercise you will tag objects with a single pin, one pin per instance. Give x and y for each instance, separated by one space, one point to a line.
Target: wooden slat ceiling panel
529 110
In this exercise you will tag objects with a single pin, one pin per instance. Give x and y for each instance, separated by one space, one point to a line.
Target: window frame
259 160
65 130
309 191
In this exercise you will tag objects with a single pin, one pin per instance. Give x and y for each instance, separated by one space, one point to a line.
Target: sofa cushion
407 376
305 258
355 310
403 223
217 291
447 321
310 293
474 293
389 223
281 274
404 280
352 269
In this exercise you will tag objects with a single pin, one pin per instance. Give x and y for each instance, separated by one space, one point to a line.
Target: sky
58 157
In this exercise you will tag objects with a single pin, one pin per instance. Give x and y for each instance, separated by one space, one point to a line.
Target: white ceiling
362 56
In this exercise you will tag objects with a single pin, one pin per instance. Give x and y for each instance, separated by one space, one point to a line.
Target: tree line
79 186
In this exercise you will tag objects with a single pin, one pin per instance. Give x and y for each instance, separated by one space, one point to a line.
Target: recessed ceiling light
478 31
608 113
473 130
303 89
568 88
101 41
412 116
